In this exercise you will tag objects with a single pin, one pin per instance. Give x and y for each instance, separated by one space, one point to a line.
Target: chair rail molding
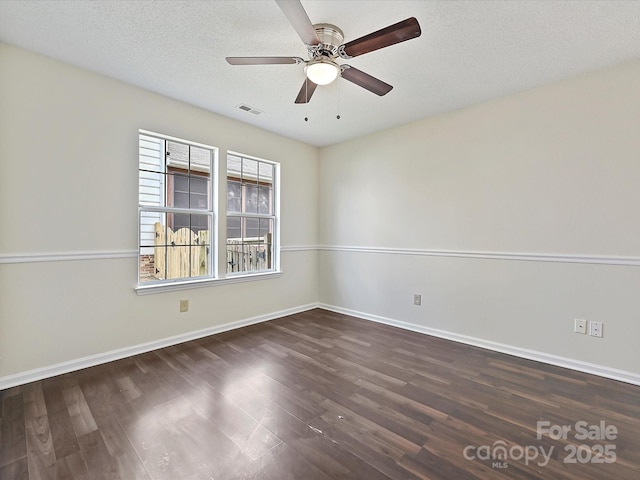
517 256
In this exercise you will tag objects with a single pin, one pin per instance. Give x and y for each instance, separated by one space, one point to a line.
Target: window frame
274 216
164 209
218 269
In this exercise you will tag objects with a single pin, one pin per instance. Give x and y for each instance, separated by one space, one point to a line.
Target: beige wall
68 184
552 171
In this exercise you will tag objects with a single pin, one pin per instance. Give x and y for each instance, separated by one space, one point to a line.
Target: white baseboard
92 360
578 365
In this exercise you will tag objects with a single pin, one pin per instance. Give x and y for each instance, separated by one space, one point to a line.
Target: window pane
234 196
199 201
181 182
188 191
249 170
152 246
193 223
179 252
151 229
234 228
200 159
248 257
177 184
199 188
251 198
266 227
253 251
151 154
151 169
266 173
234 166
264 200
199 184
151 188
252 228
177 155
180 199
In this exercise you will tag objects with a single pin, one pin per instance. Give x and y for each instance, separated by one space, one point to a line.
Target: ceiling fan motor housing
331 37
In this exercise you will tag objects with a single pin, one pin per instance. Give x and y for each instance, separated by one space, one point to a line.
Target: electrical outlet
417 299
184 305
595 329
580 326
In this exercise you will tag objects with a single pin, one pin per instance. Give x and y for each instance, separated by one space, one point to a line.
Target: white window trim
148 289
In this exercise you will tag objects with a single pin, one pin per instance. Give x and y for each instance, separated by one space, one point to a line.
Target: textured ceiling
469 52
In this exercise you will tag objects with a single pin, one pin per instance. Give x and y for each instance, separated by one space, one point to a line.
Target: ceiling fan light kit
324 46
322 71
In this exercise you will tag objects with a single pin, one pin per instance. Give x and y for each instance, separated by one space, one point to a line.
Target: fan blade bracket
343 54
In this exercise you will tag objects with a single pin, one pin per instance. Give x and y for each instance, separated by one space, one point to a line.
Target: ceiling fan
324 46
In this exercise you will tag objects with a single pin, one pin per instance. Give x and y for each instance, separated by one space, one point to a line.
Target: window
251 214
178 218
175 206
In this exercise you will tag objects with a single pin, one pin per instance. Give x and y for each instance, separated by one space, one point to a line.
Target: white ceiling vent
249 109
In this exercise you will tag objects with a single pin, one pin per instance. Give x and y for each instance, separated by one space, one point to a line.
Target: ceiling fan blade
308 87
299 20
365 80
264 60
399 32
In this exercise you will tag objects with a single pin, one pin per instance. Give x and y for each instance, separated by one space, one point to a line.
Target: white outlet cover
580 326
595 329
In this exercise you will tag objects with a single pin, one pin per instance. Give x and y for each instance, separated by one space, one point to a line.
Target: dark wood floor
318 395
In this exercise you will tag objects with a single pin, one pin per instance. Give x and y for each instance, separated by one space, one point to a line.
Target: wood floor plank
252 438
41 455
18 470
100 464
316 448
72 467
385 441
359 445
283 464
64 438
13 439
81 416
120 454
42 458
176 440
287 398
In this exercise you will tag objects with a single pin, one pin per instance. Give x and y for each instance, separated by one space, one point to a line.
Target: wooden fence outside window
185 254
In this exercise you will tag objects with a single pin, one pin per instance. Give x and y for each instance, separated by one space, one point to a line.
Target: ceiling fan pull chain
338 116
306 97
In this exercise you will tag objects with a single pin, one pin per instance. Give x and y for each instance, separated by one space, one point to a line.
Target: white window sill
149 289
